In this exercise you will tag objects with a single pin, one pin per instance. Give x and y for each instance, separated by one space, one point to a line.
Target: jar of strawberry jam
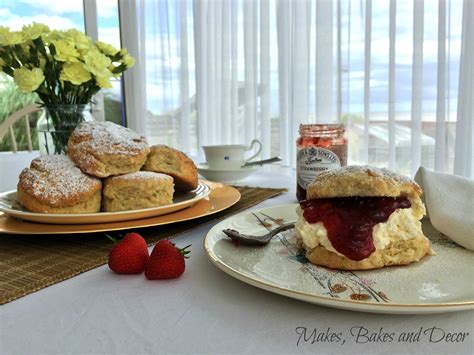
320 147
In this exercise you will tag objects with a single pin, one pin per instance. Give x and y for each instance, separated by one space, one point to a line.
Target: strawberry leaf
115 241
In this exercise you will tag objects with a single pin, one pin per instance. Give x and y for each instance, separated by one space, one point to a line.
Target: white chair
7 125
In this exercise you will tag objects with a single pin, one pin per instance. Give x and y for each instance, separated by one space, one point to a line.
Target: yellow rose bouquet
65 68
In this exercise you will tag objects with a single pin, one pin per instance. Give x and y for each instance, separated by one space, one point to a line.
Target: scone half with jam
361 217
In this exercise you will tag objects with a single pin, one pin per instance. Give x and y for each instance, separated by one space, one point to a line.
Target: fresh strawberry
130 255
166 261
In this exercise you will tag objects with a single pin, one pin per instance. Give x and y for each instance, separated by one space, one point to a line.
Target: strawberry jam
349 221
320 147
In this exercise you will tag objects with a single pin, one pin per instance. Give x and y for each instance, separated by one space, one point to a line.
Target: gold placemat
29 263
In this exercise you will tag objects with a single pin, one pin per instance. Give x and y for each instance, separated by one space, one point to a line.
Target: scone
166 160
52 184
104 149
142 189
361 217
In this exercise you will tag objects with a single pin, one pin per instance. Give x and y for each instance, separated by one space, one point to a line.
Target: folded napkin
449 200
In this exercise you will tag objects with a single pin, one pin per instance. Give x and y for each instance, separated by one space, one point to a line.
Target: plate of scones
110 174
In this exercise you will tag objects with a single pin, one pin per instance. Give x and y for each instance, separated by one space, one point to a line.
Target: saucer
226 175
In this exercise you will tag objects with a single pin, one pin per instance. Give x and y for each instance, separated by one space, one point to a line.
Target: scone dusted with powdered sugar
170 161
52 184
361 217
138 190
104 149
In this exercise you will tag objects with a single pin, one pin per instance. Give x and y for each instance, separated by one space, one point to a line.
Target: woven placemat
29 263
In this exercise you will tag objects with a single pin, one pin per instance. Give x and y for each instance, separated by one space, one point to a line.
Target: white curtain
294 25
464 159
398 73
132 34
232 55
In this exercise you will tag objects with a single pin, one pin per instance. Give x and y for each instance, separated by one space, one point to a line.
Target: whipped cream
402 224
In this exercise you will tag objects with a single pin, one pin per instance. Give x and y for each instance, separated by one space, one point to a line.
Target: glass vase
56 125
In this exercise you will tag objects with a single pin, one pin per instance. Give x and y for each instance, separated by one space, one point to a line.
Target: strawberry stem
185 252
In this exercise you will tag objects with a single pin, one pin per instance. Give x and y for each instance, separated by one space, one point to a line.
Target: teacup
229 157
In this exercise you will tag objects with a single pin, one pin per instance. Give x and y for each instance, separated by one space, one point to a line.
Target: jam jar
319 147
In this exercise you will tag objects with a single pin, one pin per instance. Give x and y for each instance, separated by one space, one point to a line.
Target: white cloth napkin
449 201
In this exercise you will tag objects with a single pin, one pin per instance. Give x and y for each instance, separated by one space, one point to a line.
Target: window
229 71
109 32
58 15
272 65
15 14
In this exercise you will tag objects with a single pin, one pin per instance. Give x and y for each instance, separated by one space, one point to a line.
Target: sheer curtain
464 159
232 71
398 73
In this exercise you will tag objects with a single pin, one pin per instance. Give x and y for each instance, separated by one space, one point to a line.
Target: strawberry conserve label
312 161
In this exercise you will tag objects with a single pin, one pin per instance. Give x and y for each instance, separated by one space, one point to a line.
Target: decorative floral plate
10 206
441 283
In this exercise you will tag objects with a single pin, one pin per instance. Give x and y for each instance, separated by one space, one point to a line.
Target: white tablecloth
204 311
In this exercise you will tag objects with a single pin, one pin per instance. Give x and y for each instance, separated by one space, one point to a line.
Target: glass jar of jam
320 147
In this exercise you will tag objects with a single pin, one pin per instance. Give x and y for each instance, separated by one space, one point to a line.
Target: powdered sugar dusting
355 171
108 137
55 179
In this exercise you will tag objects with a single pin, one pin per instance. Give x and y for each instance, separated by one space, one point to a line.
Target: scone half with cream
361 217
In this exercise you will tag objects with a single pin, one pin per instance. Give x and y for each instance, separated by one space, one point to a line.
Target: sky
161 25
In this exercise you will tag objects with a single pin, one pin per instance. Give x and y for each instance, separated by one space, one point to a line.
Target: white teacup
229 157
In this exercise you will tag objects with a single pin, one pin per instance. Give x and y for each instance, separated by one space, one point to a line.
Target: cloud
105 8
5 13
110 35
15 22
56 7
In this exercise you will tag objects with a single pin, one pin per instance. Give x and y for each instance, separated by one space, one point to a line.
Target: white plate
226 176
9 205
441 283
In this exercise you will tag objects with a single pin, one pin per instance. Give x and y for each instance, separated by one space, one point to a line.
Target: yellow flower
54 35
106 48
96 62
28 80
103 81
75 73
9 38
65 51
128 60
34 30
4 32
81 40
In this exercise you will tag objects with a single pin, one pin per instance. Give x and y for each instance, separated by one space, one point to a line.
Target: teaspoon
254 240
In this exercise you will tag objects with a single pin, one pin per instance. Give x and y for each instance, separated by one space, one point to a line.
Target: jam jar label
312 161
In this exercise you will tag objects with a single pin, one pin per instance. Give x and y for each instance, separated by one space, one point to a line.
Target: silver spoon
262 162
254 240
